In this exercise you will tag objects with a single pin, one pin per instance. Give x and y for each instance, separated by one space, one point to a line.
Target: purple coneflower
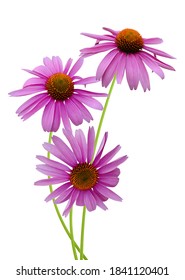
128 52
85 179
56 88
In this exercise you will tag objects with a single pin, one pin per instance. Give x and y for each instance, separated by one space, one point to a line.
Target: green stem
57 210
103 113
82 233
72 236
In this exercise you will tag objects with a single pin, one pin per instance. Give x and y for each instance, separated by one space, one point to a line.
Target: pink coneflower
128 52
84 179
56 88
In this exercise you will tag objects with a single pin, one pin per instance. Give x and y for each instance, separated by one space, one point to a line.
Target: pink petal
56 118
35 82
100 150
58 191
152 64
143 74
27 90
105 159
53 163
68 65
152 41
157 52
73 112
50 181
76 67
57 63
112 165
89 101
48 116
85 113
90 144
108 193
71 201
64 116
29 111
89 200
49 64
105 63
121 68
64 150
80 138
74 145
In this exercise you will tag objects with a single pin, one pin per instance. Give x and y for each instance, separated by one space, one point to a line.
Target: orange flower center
84 176
60 86
129 41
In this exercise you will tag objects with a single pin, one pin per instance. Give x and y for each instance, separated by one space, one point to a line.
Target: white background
147 228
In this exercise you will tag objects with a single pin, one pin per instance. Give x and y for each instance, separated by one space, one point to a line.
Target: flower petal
76 67
89 200
108 193
64 150
90 144
112 165
58 191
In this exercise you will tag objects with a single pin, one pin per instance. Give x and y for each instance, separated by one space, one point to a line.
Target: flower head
57 89
128 52
84 178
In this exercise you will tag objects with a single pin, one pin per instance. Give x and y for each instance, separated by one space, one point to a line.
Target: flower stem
57 210
82 233
103 113
72 236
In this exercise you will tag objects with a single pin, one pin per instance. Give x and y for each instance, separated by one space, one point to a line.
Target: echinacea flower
57 89
84 178
128 52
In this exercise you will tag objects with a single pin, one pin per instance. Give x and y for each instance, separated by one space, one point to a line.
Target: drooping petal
158 52
64 116
152 65
121 68
89 200
85 113
110 71
73 112
143 74
105 63
48 116
56 117
29 111
71 201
